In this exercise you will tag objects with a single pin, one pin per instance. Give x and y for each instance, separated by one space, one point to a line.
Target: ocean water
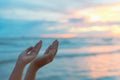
77 58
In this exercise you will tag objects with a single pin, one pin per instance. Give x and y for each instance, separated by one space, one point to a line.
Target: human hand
47 57
29 54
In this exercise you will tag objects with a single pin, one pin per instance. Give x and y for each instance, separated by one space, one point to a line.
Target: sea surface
77 58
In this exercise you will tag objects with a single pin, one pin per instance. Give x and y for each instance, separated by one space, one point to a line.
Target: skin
42 61
24 58
29 55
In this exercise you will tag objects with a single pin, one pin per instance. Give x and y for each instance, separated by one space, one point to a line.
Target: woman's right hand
47 57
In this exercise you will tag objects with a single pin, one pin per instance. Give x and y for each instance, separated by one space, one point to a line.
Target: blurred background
88 31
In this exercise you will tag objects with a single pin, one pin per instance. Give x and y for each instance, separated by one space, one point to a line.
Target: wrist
20 63
33 67
31 72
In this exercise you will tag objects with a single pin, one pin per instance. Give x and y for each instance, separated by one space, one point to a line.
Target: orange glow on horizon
59 35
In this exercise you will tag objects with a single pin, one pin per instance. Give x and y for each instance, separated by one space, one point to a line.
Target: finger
53 52
54 44
50 47
28 49
50 56
47 51
37 47
55 47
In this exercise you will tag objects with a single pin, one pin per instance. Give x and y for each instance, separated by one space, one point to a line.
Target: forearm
18 71
31 72
34 67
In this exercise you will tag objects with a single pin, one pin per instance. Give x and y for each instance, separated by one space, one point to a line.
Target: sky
60 18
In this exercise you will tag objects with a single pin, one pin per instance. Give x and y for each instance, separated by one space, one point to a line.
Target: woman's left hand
29 54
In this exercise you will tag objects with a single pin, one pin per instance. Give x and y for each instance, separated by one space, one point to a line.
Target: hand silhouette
39 62
48 55
29 54
24 58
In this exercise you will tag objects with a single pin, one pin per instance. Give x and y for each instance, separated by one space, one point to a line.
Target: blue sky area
59 18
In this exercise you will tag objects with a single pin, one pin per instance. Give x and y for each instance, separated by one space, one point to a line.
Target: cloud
14 28
99 13
76 20
25 14
68 18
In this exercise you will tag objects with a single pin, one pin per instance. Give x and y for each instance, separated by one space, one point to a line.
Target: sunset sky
60 18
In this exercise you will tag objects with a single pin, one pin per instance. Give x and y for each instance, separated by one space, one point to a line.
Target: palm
48 56
28 57
29 54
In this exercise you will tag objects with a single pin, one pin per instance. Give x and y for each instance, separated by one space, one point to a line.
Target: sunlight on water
104 65
77 59
93 49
